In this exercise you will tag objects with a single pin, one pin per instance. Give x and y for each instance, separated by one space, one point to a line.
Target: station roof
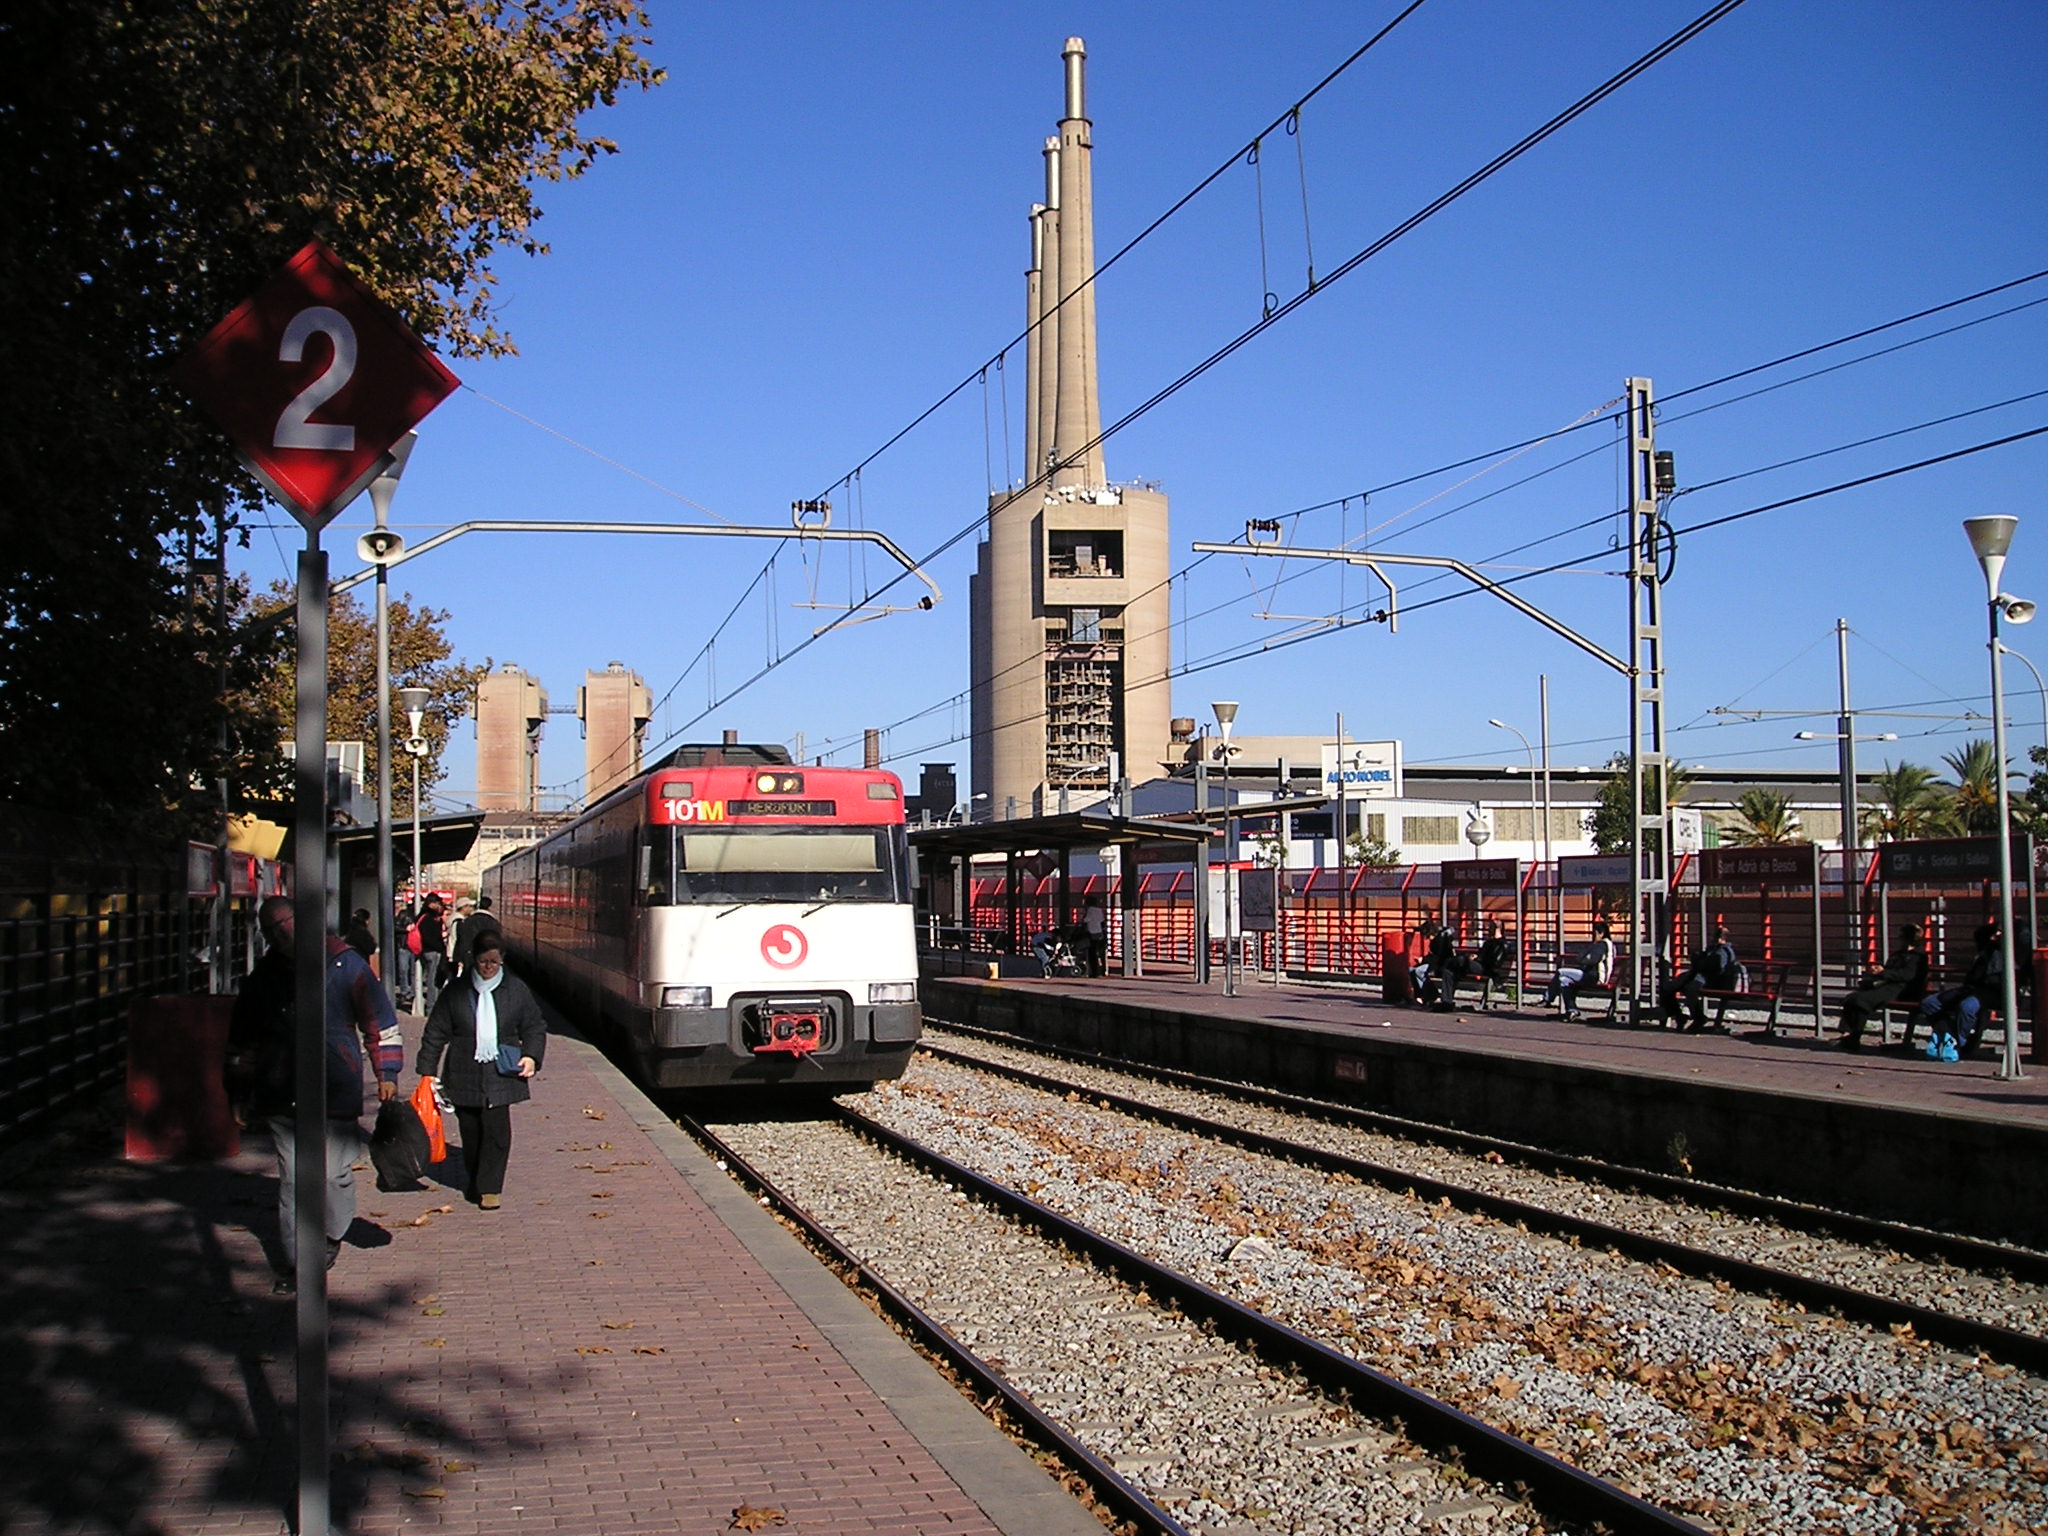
1048 834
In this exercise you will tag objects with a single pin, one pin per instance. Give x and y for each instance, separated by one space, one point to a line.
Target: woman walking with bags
492 1033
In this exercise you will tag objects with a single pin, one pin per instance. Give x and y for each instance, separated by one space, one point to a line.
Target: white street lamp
379 545
415 703
1226 715
1991 537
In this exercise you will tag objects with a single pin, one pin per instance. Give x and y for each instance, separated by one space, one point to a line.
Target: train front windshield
718 866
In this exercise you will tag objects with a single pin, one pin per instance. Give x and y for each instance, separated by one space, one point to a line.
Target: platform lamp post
415 702
2040 687
1535 848
378 545
1226 716
1991 537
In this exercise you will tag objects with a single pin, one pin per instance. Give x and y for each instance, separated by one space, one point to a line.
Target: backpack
1738 979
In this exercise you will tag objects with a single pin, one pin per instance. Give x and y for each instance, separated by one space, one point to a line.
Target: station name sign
1948 858
1363 770
1483 874
1798 864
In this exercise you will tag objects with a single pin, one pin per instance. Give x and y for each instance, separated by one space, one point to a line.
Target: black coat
451 1029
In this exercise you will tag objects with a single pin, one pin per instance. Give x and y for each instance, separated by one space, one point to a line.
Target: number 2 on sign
295 428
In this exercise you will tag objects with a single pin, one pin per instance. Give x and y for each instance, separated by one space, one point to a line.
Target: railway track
1709 1403
1478 1475
2022 1346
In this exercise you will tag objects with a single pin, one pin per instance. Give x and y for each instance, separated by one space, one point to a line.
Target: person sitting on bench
1903 979
1595 963
1713 969
1443 969
1955 1015
1496 960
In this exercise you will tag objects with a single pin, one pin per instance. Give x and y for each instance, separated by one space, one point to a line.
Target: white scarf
486 1016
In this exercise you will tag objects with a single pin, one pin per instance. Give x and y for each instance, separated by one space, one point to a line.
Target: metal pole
1229 877
309 956
386 917
1852 894
2009 1064
1556 892
1344 837
416 889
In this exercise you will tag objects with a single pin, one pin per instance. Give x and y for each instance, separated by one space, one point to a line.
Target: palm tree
1973 799
1908 804
1768 820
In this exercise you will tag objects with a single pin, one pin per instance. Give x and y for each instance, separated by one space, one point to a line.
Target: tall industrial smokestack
871 748
1034 355
1078 418
1046 382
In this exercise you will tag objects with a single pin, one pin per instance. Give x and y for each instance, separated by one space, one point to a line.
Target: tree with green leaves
157 164
421 657
1907 804
1767 820
1972 809
1367 851
1608 823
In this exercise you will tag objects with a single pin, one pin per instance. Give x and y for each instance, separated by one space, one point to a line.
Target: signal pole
1650 476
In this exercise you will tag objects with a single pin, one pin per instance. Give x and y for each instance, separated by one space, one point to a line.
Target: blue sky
817 228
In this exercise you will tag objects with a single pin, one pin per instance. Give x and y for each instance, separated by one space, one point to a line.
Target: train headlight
892 991
686 997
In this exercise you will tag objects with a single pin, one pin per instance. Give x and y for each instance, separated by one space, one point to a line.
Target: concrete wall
1973 1174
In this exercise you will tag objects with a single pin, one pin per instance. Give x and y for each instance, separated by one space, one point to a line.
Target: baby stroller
1056 955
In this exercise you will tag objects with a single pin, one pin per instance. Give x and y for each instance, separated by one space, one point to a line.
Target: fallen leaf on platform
602 1194
593 1349
592 1114
458 1466
649 1349
364 1450
431 1491
599 1215
619 1325
748 1518
437 1343
433 1311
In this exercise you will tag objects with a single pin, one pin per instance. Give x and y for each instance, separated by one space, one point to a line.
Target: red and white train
734 919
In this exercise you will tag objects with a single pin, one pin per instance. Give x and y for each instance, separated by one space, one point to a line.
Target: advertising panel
1370 770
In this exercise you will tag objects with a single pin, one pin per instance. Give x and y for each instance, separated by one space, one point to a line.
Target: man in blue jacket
360 1022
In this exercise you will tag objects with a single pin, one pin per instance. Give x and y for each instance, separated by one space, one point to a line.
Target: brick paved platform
1892 1135
630 1344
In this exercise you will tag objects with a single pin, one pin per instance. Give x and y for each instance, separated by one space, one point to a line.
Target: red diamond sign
314 378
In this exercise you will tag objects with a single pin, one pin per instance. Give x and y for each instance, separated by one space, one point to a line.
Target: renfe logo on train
784 946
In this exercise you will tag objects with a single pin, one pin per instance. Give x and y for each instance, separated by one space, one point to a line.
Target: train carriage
734 922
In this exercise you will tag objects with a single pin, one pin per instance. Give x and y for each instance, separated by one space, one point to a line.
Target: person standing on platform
1098 943
359 1022
404 935
1903 980
492 1034
433 952
474 926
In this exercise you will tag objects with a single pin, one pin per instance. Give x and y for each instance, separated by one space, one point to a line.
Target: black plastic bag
399 1147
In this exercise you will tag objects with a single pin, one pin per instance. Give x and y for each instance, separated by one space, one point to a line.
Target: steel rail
2006 1345
1103 1480
1915 1242
1554 1486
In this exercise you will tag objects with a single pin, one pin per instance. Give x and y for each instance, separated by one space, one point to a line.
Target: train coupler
789 1029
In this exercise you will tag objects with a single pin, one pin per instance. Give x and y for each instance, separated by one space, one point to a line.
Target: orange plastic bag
429 1110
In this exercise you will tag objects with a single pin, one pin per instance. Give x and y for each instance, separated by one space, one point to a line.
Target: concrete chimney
1078 417
511 709
615 706
1045 376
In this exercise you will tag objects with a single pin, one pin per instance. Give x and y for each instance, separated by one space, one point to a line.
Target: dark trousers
486 1146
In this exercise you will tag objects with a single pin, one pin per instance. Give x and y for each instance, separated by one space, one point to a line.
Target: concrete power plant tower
1069 601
